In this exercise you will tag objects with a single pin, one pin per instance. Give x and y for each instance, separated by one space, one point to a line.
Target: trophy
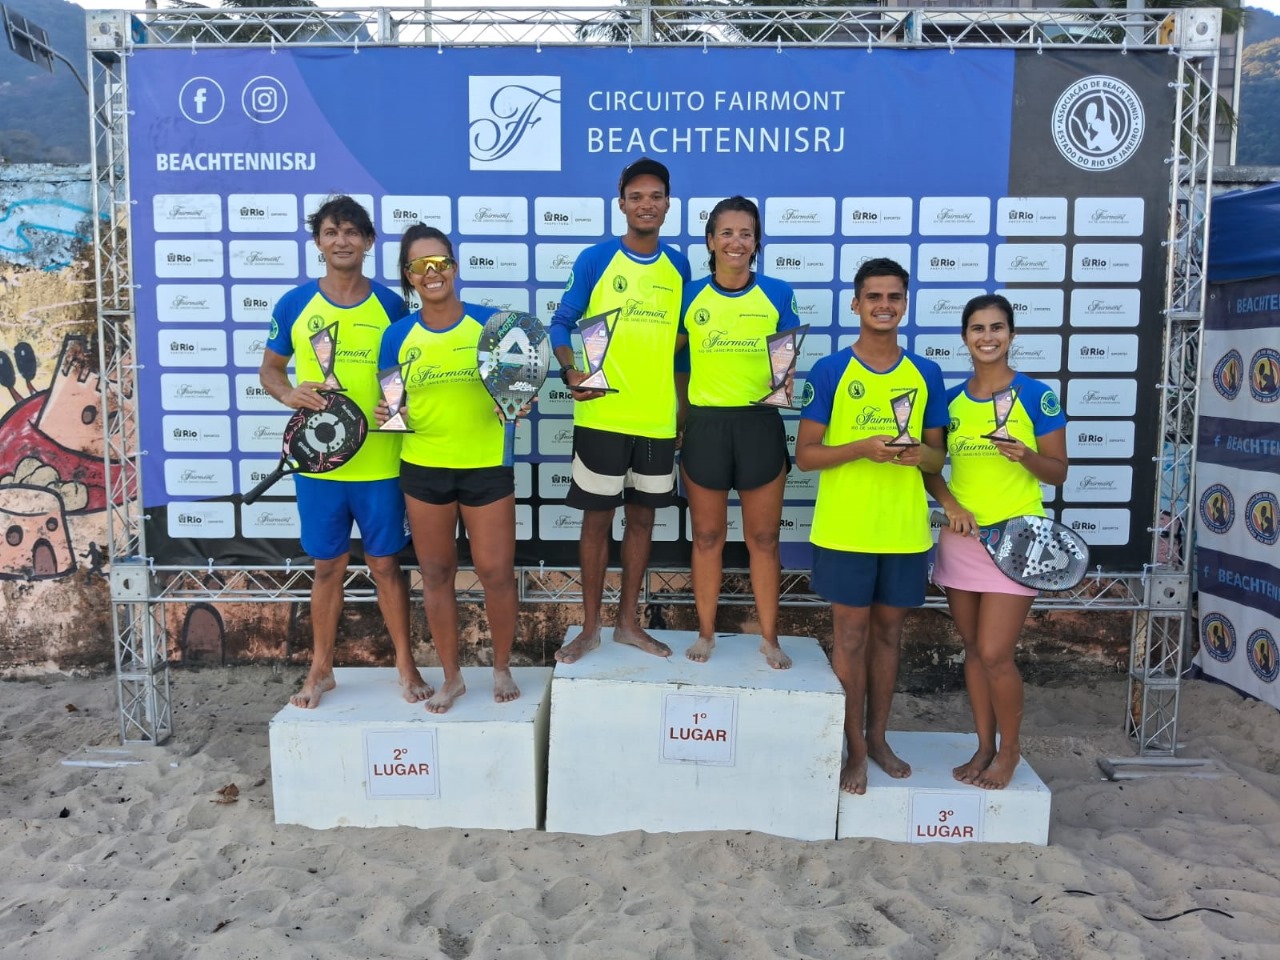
324 344
391 381
596 334
1002 401
902 405
783 349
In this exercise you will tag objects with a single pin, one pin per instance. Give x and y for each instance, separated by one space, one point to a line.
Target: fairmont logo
186 391
486 215
191 476
1103 307
1026 263
950 215
792 215
255 258
183 302
514 123
178 212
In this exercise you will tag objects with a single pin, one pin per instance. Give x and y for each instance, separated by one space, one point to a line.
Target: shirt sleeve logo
1049 404
806 397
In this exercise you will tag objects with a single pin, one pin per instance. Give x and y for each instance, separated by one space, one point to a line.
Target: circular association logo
806 396
569 283
1050 406
1218 637
701 316
1098 123
856 390
1263 661
1264 375
795 305
1227 374
315 322
411 355
1260 517
275 329
1217 508
954 425
620 283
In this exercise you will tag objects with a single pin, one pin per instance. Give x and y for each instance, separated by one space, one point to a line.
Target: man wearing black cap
624 440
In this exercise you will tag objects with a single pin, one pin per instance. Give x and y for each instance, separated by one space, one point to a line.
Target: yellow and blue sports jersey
447 406
640 363
863 506
985 483
304 311
726 357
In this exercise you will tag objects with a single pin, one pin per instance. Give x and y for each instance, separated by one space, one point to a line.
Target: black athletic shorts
613 468
472 487
734 448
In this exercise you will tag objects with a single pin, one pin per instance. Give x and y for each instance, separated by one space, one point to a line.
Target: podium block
640 742
932 806
366 758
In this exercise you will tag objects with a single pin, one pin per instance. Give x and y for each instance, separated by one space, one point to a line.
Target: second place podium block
640 742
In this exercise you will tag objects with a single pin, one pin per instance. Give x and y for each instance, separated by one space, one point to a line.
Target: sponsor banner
271 519
1243 580
253 472
1094 483
189 213
559 522
524 480
201 520
799 216
955 216
1243 444
194 391
190 434
876 216
1099 440
1103 353
1247 305
197 479
554 480
1100 527
252 395
256 433
402 211
1237 645
1115 307
1238 512
262 213
524 522
666 525
1241 375
1035 308
1031 216
234 150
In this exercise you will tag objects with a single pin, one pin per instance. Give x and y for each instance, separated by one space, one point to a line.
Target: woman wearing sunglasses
451 462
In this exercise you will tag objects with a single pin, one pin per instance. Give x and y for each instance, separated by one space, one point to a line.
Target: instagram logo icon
264 99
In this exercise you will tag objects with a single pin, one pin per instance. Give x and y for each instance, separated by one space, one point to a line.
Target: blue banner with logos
1041 176
1237 560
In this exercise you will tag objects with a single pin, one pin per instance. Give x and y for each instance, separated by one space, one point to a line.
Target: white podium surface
366 758
931 806
640 742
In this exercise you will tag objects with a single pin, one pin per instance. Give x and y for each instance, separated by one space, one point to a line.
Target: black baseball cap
645 166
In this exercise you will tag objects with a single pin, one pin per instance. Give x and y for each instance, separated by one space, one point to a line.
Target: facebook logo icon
201 100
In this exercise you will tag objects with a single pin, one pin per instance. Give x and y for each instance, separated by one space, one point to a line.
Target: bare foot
700 650
412 687
853 777
774 655
443 698
313 688
968 772
633 636
999 772
580 645
888 761
504 686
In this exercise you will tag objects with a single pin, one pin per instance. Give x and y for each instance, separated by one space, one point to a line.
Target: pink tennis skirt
964 564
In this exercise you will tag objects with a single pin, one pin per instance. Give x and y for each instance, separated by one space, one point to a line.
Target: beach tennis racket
1034 551
317 441
512 355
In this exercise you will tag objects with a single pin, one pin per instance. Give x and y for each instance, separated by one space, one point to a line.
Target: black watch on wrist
564 373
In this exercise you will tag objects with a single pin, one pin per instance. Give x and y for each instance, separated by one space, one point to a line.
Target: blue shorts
863 579
327 508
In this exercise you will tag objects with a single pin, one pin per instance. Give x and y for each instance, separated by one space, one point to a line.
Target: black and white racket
317 441
512 355
1034 551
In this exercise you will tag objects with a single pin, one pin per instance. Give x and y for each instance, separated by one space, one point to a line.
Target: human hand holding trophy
783 350
902 405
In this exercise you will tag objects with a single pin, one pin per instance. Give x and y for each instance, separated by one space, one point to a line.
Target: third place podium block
640 742
931 806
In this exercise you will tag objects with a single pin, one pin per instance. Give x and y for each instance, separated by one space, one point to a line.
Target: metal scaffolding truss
1158 597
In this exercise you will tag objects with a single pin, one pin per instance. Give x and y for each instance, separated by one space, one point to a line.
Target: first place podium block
366 758
932 806
640 742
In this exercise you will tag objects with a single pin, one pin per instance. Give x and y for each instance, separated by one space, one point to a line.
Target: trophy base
902 443
779 401
602 387
997 438
385 429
